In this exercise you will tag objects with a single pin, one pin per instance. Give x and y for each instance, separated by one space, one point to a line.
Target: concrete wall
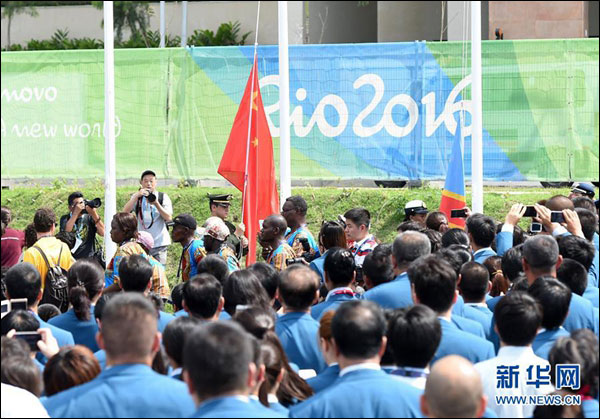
84 21
456 19
331 22
409 21
539 19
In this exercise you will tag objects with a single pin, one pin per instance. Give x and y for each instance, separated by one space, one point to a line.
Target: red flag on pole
247 162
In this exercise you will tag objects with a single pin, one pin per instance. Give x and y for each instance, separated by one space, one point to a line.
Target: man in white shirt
516 371
153 210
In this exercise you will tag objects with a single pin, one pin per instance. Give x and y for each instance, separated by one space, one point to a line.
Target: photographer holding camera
83 220
153 210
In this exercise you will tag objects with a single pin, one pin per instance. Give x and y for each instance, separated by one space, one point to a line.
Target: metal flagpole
110 187
250 113
285 167
476 97
184 24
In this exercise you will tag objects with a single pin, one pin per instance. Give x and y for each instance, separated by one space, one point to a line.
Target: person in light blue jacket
554 297
85 285
219 369
129 388
482 232
332 234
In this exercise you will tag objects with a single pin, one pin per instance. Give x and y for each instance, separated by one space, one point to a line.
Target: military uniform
233 240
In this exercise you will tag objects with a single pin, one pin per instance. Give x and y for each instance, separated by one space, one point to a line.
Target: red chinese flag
260 197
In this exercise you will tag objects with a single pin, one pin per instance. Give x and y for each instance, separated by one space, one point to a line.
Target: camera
94 203
151 197
306 256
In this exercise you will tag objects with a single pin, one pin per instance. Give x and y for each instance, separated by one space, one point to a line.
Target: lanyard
141 213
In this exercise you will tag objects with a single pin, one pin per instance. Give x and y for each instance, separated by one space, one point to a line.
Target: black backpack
55 284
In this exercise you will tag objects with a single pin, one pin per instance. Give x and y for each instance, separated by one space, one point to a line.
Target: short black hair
244 288
358 328
214 265
43 220
554 297
518 318
135 272
414 336
299 204
482 228
359 216
584 202
512 263
21 321
73 197
589 222
475 279
201 295
339 266
541 252
298 286
434 281
101 303
6 215
48 311
455 256
175 335
455 236
267 275
409 226
574 275
23 281
377 265
177 296
216 357
577 248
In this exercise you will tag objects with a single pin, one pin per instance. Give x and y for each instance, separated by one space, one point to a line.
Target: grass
386 205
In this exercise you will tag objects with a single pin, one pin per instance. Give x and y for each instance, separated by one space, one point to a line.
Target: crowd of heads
535 279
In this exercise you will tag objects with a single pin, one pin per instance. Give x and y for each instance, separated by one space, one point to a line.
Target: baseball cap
584 188
415 207
216 228
186 220
147 172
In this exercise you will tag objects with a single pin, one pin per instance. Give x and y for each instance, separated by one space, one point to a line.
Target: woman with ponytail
499 283
283 387
85 284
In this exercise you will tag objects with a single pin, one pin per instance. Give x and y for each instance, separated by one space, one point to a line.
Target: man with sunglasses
219 205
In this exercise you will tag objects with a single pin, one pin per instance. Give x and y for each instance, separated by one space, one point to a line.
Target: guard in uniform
219 207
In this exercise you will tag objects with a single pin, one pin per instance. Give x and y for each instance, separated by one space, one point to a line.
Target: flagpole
110 187
476 97
250 116
285 169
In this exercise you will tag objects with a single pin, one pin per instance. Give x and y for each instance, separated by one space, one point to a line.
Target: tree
132 14
13 8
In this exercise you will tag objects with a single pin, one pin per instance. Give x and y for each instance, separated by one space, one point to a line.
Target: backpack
55 284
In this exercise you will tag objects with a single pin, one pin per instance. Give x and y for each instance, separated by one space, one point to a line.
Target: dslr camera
151 197
94 203
306 255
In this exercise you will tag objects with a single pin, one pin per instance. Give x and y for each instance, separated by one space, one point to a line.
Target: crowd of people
441 322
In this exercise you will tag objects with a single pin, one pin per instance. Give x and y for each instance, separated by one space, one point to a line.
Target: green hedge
386 205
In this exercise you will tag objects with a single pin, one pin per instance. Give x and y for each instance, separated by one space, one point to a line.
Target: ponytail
85 282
